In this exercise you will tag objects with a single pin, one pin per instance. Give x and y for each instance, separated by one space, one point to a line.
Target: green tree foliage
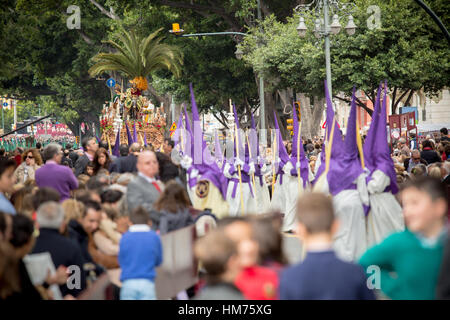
408 50
137 56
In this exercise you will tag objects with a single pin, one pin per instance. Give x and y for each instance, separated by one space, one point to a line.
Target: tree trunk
310 116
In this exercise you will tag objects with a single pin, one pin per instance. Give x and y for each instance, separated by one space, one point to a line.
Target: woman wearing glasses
31 161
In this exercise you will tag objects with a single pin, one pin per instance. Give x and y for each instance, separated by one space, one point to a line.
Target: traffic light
290 126
297 104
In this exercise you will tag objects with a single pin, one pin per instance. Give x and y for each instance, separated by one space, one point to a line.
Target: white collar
139 228
150 180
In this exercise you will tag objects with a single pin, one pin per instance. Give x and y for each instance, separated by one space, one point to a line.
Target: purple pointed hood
206 165
368 147
333 177
304 165
115 151
282 153
145 139
383 160
135 138
130 139
349 168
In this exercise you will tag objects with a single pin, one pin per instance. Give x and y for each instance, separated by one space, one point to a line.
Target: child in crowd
410 260
6 184
321 275
256 282
140 252
217 254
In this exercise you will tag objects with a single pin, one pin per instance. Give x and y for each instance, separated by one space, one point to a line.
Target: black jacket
125 164
173 221
73 156
63 252
81 164
79 236
430 156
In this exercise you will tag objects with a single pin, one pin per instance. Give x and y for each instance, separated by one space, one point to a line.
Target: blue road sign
110 82
5 104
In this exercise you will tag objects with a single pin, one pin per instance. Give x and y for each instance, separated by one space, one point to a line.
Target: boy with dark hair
6 184
140 252
321 275
219 257
414 255
444 134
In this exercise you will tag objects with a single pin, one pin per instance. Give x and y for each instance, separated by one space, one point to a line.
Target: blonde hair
73 209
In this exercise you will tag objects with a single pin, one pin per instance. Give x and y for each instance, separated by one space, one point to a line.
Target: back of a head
427 144
214 251
51 150
73 209
111 196
135 147
50 215
435 172
444 131
173 198
103 144
125 178
266 231
97 183
22 230
315 211
2 152
123 150
5 164
139 216
43 195
38 145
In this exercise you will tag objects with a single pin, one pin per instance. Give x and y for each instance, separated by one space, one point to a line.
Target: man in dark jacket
63 251
428 154
90 146
413 161
127 163
79 231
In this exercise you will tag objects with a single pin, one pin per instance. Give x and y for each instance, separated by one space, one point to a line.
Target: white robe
350 241
248 194
385 215
291 192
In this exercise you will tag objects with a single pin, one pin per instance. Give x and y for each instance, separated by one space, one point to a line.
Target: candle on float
231 107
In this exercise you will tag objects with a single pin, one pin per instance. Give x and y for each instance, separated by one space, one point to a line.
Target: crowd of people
90 209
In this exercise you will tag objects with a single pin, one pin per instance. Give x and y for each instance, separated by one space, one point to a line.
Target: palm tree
138 57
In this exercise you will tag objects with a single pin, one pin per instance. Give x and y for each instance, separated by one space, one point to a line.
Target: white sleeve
361 186
378 183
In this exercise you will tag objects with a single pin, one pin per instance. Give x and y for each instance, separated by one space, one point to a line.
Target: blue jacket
322 276
140 252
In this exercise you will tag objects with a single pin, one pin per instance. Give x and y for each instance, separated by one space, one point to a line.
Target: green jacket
409 268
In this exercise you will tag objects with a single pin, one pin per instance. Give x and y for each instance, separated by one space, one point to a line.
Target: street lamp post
317 7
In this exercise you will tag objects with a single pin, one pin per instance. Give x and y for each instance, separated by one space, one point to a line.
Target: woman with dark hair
23 241
31 161
102 160
172 209
167 170
428 153
266 231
